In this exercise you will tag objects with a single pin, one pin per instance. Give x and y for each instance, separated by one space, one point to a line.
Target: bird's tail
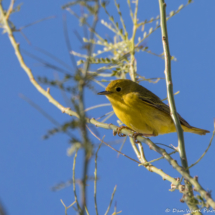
195 130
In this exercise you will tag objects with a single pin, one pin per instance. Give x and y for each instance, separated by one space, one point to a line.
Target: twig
170 96
161 151
97 106
206 149
73 180
168 76
111 200
148 165
112 147
15 45
162 157
82 83
132 41
48 54
87 210
122 145
10 9
33 23
45 114
68 44
66 208
109 116
121 19
28 70
95 181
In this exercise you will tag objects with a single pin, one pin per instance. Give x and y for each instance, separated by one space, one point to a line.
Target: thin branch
132 41
111 146
87 210
107 117
97 106
95 181
196 185
111 200
68 44
10 9
53 57
82 83
162 157
45 114
73 180
148 165
28 70
206 149
121 19
66 208
122 145
169 84
171 101
46 63
33 23
153 146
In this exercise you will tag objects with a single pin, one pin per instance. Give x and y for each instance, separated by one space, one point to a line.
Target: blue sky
30 166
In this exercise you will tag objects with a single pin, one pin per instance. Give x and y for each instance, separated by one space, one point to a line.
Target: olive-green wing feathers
156 102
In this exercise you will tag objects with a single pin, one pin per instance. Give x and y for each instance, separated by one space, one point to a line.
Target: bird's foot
119 129
142 135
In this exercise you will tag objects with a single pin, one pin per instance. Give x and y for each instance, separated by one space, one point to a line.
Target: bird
142 111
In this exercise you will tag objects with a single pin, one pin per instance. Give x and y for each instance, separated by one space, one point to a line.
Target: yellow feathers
141 110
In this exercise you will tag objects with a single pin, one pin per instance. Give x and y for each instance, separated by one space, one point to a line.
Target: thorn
181 188
48 90
181 200
176 148
150 170
173 186
164 154
208 194
196 177
65 109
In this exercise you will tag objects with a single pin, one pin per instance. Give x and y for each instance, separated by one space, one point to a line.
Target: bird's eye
118 89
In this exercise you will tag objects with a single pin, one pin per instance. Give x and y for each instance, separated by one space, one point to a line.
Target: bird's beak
104 93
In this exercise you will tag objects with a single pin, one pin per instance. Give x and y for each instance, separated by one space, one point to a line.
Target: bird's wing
157 103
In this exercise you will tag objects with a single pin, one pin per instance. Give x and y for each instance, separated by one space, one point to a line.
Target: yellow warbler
143 111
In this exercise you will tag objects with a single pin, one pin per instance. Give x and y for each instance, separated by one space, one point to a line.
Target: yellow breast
141 117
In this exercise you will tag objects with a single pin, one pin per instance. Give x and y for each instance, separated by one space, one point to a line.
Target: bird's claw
135 137
142 135
118 130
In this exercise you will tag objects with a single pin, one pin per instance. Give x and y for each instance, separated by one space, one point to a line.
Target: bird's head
118 88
